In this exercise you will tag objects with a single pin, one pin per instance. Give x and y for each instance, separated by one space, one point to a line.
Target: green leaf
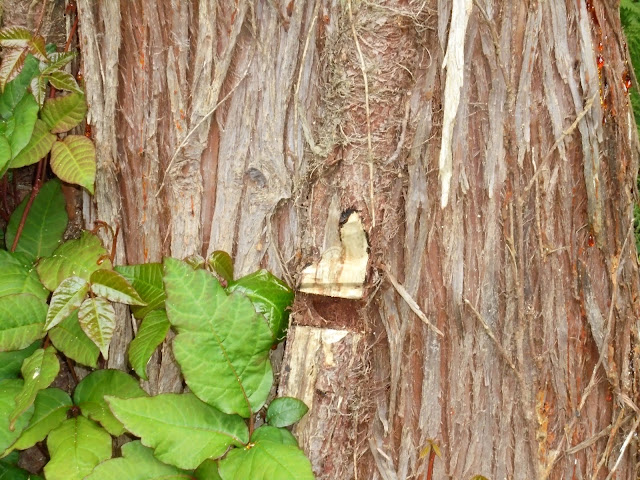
21 321
98 320
285 411
45 223
74 161
69 338
178 439
76 447
147 281
80 258
219 337
62 80
137 463
51 407
66 299
152 332
8 391
90 392
11 362
221 263
18 278
12 62
273 434
38 147
5 153
208 470
16 88
271 297
16 37
266 458
114 287
25 114
61 114
38 371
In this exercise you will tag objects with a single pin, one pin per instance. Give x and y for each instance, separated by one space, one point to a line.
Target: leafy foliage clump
56 304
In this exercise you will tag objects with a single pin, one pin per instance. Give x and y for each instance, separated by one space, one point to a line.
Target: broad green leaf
15 258
5 152
90 392
25 114
219 337
222 264
152 332
137 463
208 470
38 147
8 391
271 297
61 114
285 411
273 434
45 224
192 295
62 81
17 88
51 407
16 37
21 321
12 61
177 437
266 458
38 372
98 320
114 287
147 280
66 299
74 161
69 338
11 362
15 277
76 447
80 258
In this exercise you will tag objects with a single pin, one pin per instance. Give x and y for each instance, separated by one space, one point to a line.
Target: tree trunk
491 152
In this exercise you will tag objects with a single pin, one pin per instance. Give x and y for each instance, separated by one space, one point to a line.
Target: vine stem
432 459
34 191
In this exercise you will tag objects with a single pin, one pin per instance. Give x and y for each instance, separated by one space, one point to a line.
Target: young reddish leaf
16 37
37 48
98 320
38 86
73 160
12 61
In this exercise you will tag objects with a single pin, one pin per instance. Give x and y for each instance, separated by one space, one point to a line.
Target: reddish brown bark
246 126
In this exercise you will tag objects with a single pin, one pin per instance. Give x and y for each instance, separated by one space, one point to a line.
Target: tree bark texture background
489 147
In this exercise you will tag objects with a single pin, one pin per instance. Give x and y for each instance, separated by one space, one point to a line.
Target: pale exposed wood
320 367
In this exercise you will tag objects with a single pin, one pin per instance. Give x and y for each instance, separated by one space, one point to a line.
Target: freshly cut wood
343 268
323 368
